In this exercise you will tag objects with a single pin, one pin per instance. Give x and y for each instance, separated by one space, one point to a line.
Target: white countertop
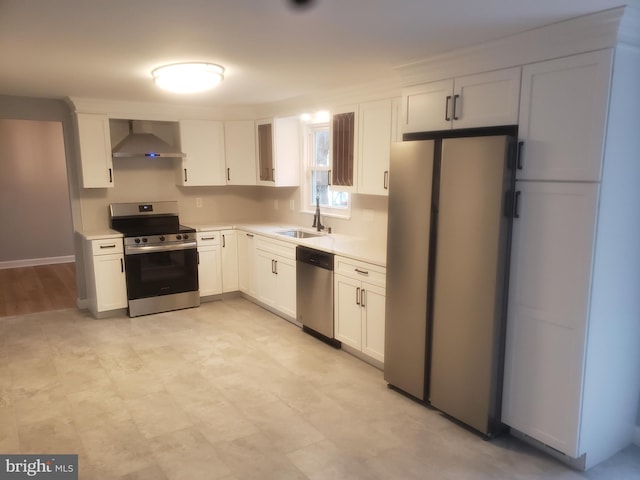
358 248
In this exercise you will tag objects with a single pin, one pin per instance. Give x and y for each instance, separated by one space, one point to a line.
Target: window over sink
317 171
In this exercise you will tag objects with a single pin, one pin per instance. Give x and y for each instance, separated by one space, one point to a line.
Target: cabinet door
486 99
286 151
374 141
348 312
286 285
547 312
229 261
246 263
209 271
266 169
240 152
427 107
202 142
111 286
373 321
343 148
95 150
563 114
266 278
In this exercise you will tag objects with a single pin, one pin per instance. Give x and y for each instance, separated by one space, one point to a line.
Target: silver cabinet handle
208 238
363 272
223 242
250 235
385 182
358 296
121 265
185 174
446 108
228 174
113 245
110 175
362 297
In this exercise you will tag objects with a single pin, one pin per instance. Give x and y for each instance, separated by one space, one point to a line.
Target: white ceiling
106 48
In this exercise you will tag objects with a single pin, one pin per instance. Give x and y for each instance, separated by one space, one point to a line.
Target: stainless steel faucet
317 224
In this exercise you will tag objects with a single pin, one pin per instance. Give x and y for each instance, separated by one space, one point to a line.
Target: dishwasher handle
314 257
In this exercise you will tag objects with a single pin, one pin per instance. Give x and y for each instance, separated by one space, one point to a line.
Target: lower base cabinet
359 289
276 275
106 281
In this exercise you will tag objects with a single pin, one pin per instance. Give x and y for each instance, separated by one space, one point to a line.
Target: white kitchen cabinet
359 289
94 142
563 116
374 140
209 263
240 152
572 358
247 263
229 260
106 281
276 275
548 301
480 100
278 152
202 141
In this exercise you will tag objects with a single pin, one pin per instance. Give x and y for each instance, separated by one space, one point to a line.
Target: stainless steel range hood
143 144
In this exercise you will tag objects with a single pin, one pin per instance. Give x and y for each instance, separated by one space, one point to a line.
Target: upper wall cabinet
563 118
374 138
481 100
95 150
202 141
278 151
240 152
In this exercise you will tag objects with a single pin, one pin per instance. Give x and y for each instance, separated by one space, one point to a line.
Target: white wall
35 210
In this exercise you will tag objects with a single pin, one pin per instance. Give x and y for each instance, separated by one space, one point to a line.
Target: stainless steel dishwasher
314 293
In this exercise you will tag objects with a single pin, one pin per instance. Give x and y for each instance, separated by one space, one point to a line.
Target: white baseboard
33 262
636 435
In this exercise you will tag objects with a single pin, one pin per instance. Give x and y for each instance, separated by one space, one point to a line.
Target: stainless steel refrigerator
449 224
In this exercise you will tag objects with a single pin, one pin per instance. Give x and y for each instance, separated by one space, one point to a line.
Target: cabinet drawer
284 249
106 246
208 238
363 271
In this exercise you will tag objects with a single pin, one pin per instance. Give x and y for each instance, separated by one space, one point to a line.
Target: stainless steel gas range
161 258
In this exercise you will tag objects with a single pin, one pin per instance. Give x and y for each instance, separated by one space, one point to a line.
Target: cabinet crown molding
596 31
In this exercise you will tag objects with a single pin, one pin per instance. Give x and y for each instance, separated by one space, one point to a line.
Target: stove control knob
178 237
137 240
185 236
144 240
162 238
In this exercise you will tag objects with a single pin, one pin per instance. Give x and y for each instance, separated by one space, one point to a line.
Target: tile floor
230 391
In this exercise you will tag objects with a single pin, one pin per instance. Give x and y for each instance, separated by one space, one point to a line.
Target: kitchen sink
299 234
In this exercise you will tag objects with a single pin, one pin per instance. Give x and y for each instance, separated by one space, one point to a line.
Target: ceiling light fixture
190 77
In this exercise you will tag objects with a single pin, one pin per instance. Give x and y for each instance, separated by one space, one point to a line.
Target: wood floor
37 289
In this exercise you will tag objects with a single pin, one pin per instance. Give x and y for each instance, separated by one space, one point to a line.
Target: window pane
320 188
321 148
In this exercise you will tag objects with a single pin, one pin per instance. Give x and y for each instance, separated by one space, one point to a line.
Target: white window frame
307 206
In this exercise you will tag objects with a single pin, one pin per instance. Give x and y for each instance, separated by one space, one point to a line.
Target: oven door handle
138 249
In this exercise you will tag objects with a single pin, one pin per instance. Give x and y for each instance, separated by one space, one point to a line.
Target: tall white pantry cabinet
572 360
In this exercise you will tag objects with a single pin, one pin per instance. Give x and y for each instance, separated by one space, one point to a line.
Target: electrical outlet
199 202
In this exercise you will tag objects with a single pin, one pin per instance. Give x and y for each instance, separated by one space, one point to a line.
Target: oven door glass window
161 273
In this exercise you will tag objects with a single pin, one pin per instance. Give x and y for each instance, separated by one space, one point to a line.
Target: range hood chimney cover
144 145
